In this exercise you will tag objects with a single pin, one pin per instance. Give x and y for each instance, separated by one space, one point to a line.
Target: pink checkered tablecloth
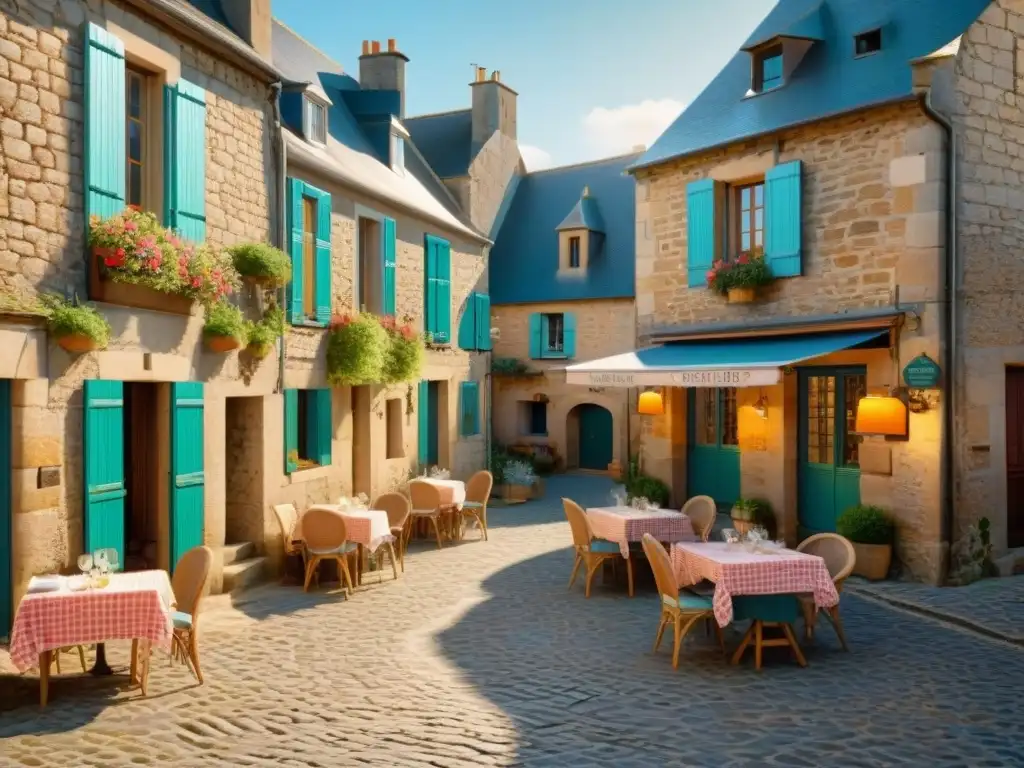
737 571
132 606
624 525
369 527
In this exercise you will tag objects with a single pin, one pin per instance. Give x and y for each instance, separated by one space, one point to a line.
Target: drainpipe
279 234
488 382
948 472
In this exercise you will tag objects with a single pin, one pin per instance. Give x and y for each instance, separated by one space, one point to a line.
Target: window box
741 295
102 288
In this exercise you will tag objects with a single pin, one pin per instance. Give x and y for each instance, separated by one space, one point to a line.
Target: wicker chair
702 512
326 537
478 493
189 584
682 611
590 551
287 518
399 513
426 504
840 557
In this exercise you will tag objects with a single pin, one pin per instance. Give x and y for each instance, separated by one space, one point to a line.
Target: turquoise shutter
185 160
536 343
6 551
782 229
188 481
291 430
443 293
483 322
430 286
323 258
319 426
389 265
569 334
469 408
104 465
423 423
104 123
700 231
294 296
468 332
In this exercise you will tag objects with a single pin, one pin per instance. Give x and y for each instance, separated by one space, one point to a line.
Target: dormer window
867 42
316 120
580 237
574 252
397 153
768 69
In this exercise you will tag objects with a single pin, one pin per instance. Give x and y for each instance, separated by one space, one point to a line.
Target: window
137 115
368 276
552 335
534 417
308 428
768 70
394 414
555 336
475 326
316 121
397 153
868 42
437 308
747 219
309 256
309 246
714 417
469 408
574 252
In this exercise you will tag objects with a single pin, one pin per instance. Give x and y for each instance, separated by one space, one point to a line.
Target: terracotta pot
221 343
260 281
101 288
77 343
742 295
873 560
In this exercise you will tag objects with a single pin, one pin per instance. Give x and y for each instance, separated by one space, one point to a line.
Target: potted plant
75 327
749 513
739 280
404 354
356 349
261 264
264 333
519 480
870 530
639 486
207 273
225 326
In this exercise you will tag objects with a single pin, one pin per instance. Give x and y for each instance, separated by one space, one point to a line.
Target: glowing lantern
650 404
881 415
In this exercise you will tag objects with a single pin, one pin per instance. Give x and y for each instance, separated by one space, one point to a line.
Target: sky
595 78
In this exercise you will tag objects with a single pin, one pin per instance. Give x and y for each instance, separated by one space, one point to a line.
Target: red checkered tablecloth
737 571
132 606
625 524
369 527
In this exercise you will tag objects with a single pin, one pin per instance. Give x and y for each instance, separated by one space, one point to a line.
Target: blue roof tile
829 80
444 140
524 259
586 215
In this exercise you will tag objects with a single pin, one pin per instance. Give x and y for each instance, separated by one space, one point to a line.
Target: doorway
1015 457
713 455
828 450
429 423
243 471
6 537
596 439
362 455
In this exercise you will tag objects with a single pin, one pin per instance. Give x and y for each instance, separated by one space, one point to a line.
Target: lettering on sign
922 373
751 377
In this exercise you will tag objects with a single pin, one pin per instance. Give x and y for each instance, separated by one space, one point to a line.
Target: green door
104 466
829 468
429 413
713 456
187 478
6 548
595 437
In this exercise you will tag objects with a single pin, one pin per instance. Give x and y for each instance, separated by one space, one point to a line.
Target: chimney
251 20
494 107
383 70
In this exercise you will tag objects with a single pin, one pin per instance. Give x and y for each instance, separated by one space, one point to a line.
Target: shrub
757 511
262 263
646 487
865 524
404 355
500 460
65 318
356 349
224 319
509 366
519 472
746 272
263 333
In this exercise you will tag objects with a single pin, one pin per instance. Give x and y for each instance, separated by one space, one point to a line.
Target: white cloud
616 130
535 158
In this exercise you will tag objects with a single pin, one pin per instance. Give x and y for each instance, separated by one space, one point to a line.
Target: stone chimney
251 20
494 107
383 70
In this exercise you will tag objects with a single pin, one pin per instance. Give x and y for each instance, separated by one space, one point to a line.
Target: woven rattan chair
590 551
682 611
326 537
399 513
287 517
426 504
189 584
840 557
702 512
69 649
478 493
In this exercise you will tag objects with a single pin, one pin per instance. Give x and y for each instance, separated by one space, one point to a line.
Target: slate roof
585 215
524 258
445 140
829 80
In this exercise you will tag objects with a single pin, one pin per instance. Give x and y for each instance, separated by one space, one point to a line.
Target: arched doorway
591 426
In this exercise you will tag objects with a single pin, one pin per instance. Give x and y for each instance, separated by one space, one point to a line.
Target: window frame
735 215
311 103
310 212
532 410
575 243
397 152
872 35
548 350
760 84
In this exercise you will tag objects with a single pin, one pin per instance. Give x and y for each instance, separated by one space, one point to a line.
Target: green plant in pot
640 486
871 531
264 333
261 264
404 356
750 513
357 346
739 280
75 327
225 327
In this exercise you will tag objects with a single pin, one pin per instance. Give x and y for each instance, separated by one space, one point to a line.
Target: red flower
710 276
130 226
744 259
154 263
196 282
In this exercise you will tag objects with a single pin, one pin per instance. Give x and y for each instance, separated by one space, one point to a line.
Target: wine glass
99 559
85 563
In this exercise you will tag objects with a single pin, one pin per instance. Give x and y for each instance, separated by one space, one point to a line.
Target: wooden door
713 450
428 424
595 437
188 479
104 466
1015 457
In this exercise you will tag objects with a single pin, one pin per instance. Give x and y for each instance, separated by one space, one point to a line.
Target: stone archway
590 437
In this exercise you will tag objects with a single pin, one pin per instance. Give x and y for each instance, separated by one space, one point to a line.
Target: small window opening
868 42
768 73
574 252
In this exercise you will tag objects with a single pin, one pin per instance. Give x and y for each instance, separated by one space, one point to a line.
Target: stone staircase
242 567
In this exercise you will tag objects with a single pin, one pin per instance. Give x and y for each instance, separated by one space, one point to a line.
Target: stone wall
243 483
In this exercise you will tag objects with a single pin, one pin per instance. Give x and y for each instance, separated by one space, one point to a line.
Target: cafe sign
922 373
715 377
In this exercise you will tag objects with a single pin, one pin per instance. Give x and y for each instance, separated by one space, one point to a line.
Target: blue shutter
536 342
104 465
468 330
104 123
469 411
188 480
430 286
700 231
322 288
291 430
782 229
483 322
569 334
185 160
423 423
389 267
443 293
6 550
294 295
319 426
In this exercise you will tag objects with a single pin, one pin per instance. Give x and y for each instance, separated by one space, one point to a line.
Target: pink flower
196 282
130 226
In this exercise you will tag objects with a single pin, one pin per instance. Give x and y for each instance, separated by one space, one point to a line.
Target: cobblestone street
480 656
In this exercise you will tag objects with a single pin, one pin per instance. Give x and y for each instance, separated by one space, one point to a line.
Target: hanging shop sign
922 373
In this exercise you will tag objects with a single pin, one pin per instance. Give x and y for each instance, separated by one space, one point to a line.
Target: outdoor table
735 570
625 525
452 491
133 606
369 528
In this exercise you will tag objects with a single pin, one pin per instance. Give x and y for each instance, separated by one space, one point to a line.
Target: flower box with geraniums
261 264
740 280
751 513
263 334
404 355
870 530
225 327
76 328
357 347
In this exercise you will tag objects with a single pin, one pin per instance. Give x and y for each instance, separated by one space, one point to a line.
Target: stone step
244 574
236 553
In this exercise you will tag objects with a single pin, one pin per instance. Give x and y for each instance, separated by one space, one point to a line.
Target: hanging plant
404 356
740 279
357 346
75 327
225 327
261 264
208 274
132 247
263 334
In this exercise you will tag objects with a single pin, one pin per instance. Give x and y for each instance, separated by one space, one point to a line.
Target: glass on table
85 563
731 536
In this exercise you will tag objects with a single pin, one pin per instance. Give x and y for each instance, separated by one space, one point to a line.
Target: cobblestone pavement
480 656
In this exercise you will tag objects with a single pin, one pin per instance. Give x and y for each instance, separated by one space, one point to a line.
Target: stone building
562 290
824 148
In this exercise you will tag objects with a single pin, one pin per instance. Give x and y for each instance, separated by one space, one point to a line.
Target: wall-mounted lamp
882 415
761 406
650 404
